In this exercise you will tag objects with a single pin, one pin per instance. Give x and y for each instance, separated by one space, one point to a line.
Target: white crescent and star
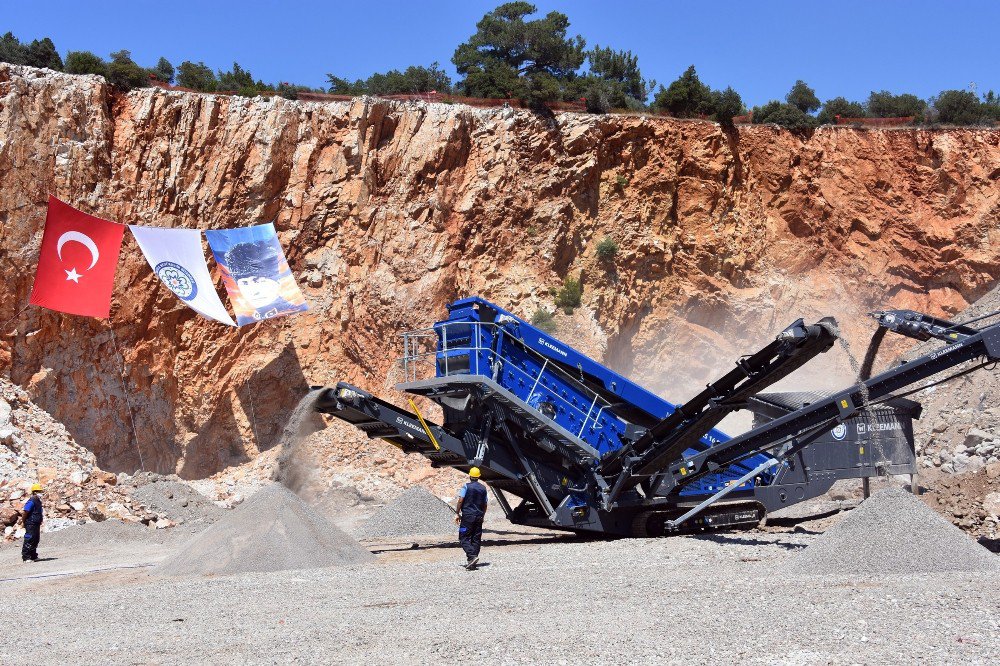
82 239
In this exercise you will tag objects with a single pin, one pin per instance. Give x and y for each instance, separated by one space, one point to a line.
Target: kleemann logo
412 426
543 343
878 427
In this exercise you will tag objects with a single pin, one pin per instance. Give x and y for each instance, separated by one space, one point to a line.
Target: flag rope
19 312
128 405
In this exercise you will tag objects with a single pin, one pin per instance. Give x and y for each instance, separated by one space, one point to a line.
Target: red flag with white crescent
77 262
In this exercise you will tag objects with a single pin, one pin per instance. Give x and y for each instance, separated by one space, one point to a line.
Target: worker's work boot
472 563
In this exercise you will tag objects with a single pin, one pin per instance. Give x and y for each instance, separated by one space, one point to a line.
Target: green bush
196 76
607 249
163 71
839 106
803 97
544 320
728 104
884 104
785 115
621 181
959 107
85 62
569 296
124 74
687 97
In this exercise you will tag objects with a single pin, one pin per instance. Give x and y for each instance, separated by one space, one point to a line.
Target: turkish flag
77 262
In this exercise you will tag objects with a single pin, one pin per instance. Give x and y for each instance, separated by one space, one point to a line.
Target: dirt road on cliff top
542 598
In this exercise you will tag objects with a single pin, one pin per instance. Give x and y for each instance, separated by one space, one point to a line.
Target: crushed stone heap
175 499
416 511
893 532
272 531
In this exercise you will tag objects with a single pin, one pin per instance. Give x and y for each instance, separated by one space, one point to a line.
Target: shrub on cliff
238 79
124 74
959 107
196 76
785 115
839 106
85 62
544 320
687 97
884 104
39 53
509 56
607 249
616 75
163 71
802 97
570 294
415 79
727 104
11 50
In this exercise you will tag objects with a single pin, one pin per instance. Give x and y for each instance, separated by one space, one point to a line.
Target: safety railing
456 348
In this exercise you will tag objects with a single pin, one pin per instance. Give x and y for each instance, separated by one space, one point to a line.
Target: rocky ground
34 447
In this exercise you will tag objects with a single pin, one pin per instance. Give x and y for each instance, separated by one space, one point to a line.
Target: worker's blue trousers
470 534
32 534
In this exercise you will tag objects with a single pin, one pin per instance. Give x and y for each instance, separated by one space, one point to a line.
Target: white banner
177 258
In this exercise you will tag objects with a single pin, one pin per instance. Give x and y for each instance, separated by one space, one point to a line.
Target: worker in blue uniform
32 517
471 511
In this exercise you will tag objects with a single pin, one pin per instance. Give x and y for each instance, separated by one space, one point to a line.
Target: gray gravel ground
690 600
893 532
415 512
105 533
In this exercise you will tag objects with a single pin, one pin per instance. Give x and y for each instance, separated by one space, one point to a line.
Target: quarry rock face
387 210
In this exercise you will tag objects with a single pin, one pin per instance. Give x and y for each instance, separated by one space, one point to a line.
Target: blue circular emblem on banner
178 279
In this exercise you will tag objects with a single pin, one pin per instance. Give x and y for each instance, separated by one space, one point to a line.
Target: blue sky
844 47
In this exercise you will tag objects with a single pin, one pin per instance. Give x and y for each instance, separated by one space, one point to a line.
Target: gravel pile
416 511
893 532
108 533
272 531
179 501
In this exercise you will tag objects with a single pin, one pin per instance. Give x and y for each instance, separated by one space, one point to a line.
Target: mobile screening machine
583 448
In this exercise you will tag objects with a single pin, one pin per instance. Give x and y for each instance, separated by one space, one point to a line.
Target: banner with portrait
255 272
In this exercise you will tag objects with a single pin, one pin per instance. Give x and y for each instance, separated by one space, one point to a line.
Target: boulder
79 477
96 513
976 436
991 504
107 478
9 516
964 463
4 412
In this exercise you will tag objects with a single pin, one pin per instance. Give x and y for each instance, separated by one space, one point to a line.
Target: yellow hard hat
475 473
36 488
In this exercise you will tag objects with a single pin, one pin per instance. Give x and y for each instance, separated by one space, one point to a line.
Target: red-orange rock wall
388 210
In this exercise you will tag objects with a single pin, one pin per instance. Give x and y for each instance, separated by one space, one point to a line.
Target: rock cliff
388 210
